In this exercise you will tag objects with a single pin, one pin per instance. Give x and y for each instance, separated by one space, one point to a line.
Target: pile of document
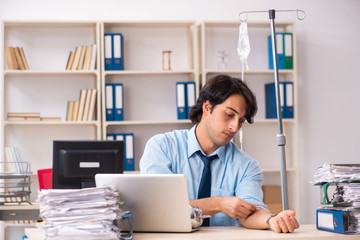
80 213
337 173
340 198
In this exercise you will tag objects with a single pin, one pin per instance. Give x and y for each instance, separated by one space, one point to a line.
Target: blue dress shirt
233 173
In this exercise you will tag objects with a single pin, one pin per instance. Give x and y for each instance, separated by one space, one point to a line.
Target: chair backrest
45 178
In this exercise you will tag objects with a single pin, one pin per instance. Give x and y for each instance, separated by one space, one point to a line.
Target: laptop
158 202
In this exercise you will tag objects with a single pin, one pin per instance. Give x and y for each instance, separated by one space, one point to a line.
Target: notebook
158 202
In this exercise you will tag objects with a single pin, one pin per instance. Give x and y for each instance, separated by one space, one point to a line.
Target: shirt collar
194 146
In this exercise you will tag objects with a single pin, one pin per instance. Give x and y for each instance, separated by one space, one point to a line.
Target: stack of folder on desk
80 213
340 188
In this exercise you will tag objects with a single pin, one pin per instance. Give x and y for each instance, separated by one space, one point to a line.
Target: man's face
225 120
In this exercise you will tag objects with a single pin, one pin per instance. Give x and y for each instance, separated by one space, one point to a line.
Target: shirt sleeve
155 159
249 186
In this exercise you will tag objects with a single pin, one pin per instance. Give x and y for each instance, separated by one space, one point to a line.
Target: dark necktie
205 182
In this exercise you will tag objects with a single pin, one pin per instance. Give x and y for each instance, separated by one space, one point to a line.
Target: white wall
328 62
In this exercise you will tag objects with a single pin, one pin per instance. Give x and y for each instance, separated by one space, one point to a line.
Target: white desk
307 232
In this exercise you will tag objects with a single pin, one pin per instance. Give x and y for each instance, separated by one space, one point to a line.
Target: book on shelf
83 58
12 157
23 116
76 109
18 58
76 58
93 57
70 60
84 108
24 58
81 104
92 105
69 110
86 105
87 58
15 58
50 119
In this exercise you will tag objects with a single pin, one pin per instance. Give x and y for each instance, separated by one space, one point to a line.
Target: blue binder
191 97
118 101
109 101
280 51
110 136
129 163
108 55
181 100
333 220
129 160
289 99
117 52
286 97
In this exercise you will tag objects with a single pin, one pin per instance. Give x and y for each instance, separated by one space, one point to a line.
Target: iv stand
281 139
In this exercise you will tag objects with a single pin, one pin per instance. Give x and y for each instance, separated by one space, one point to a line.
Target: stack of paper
80 213
340 189
337 173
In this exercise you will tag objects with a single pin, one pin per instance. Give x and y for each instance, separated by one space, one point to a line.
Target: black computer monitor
75 163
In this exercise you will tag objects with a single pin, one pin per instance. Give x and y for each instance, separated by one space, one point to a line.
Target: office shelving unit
149 91
218 36
46 87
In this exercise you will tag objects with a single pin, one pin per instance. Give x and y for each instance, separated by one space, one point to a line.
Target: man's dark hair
217 90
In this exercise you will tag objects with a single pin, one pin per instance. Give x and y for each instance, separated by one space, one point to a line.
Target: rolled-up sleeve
249 185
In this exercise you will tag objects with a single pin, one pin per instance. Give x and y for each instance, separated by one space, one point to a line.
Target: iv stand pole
280 138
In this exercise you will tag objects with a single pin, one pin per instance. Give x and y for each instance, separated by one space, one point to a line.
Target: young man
222 180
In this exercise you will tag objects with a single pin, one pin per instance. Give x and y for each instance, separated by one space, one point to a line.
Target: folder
117 51
109 101
191 97
286 100
334 220
118 102
110 136
129 164
280 51
180 100
288 51
289 100
129 160
108 46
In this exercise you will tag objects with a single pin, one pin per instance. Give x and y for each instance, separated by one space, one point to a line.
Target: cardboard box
272 197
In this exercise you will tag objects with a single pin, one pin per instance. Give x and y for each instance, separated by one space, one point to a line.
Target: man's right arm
232 206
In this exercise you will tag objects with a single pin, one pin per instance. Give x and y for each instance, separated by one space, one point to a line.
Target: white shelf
144 72
48 72
95 123
109 123
250 72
